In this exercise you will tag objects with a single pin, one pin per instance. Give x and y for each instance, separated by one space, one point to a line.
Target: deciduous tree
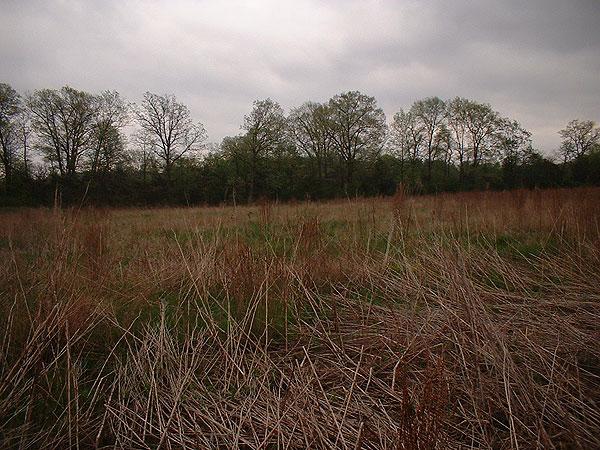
64 122
431 113
579 137
108 141
457 123
357 128
265 130
481 122
10 109
308 127
168 129
405 139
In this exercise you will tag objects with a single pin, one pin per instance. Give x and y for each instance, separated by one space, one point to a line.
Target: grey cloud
536 61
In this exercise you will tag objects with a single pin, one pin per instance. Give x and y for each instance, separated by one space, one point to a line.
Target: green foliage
338 148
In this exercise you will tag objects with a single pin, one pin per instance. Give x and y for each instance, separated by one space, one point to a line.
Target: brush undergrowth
465 320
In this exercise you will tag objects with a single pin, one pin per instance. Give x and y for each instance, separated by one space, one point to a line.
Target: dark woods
72 147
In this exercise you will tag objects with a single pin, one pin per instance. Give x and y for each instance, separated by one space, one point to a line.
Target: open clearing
428 322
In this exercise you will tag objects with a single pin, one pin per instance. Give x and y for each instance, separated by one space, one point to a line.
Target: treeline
68 146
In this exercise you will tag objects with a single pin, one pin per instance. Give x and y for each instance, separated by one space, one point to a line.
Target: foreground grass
445 321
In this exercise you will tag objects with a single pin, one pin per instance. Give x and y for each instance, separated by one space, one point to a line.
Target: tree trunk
349 176
252 178
8 175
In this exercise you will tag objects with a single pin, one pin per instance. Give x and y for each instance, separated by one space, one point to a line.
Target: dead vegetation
465 320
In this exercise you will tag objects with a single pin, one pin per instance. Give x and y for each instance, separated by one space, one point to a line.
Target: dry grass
466 320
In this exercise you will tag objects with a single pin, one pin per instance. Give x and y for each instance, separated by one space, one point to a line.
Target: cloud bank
535 61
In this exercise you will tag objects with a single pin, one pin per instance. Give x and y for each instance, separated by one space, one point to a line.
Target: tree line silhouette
68 146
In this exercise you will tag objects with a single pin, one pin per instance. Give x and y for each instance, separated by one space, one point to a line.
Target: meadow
443 321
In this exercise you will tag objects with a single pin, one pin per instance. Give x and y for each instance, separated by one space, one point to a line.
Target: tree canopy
74 146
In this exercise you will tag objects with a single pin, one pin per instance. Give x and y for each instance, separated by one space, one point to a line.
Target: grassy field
432 322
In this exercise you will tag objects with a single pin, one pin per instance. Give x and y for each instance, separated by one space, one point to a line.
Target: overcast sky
534 61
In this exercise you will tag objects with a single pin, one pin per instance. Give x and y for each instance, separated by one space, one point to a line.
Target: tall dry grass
465 320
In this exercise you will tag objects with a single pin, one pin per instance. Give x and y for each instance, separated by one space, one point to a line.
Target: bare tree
405 138
64 123
444 145
10 109
25 133
579 137
357 128
142 155
457 122
168 129
266 129
308 127
430 112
